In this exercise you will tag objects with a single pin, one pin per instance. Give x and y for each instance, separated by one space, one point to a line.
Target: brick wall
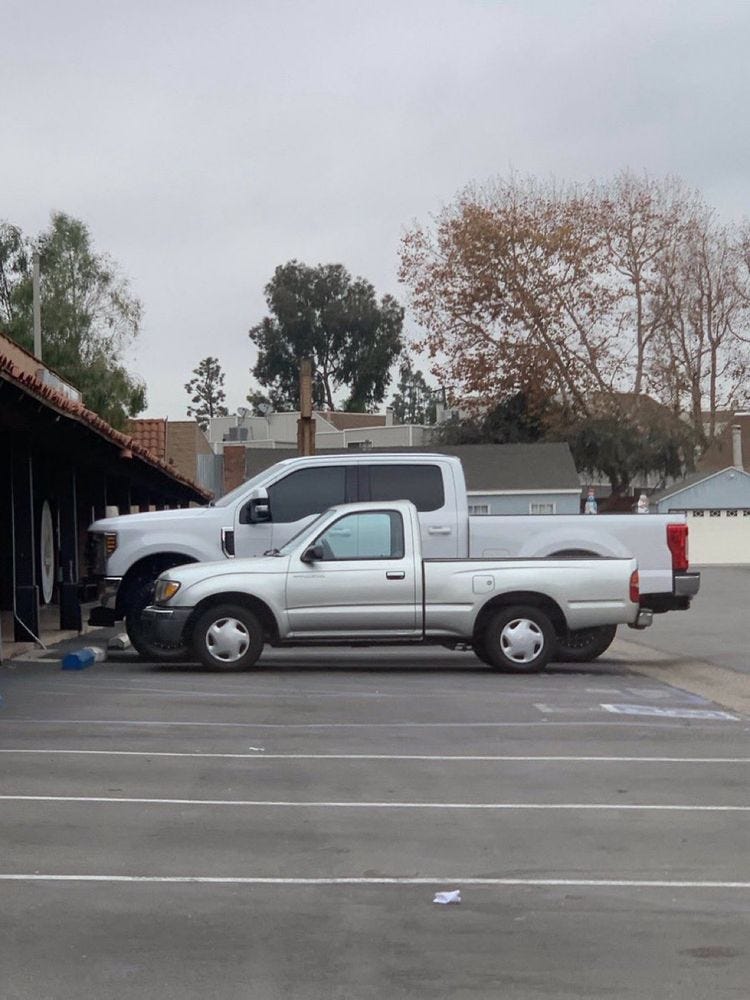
234 466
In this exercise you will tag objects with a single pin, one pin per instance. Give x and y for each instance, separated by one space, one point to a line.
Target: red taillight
635 587
677 540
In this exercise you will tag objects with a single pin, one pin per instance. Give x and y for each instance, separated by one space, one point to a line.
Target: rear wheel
519 640
139 631
228 637
585 644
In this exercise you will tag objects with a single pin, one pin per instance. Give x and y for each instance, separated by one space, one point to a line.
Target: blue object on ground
79 659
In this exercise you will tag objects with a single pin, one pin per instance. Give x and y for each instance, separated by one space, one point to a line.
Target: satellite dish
265 408
242 411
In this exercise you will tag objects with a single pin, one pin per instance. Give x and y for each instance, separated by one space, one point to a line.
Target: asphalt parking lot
173 833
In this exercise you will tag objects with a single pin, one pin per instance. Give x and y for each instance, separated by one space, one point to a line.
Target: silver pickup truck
356 576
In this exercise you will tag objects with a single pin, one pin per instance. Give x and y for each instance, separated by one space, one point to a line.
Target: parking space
173 833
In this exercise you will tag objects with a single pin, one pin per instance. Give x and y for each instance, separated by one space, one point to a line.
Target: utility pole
305 424
37 307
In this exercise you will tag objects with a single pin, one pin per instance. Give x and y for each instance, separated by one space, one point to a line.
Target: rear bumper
166 624
684 588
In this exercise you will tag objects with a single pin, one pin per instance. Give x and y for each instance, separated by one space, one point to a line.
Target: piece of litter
79 659
259 749
120 641
449 896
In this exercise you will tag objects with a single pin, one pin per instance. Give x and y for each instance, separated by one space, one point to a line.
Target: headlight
165 590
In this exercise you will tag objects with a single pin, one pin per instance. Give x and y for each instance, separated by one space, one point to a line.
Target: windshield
287 548
238 491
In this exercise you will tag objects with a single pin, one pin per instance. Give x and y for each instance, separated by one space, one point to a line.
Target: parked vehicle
357 575
130 551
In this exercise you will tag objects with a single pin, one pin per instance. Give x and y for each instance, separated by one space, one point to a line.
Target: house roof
51 397
691 480
487 467
151 434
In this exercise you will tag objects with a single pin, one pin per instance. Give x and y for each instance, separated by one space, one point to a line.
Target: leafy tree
89 315
260 404
414 400
630 436
510 421
206 391
324 314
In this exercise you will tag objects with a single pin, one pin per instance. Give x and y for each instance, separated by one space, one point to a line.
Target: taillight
677 540
635 587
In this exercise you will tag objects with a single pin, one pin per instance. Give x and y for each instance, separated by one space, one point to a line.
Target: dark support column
24 550
70 605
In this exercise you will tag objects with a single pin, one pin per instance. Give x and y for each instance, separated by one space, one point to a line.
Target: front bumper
105 613
166 624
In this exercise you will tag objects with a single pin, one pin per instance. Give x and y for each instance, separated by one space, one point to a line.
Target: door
423 484
293 502
363 586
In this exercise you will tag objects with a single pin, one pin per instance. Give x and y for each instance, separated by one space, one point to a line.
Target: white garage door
719 537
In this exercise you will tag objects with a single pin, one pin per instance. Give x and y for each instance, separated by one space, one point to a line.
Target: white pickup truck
127 553
356 575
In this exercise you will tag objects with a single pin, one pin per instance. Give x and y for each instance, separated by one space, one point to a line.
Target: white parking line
262 755
289 804
382 880
622 723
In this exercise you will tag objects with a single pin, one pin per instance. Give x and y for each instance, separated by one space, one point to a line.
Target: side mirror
257 508
313 554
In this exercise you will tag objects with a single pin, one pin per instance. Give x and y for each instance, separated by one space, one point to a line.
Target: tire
519 640
585 644
140 634
480 653
228 638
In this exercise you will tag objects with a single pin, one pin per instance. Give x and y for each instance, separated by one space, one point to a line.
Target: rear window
422 484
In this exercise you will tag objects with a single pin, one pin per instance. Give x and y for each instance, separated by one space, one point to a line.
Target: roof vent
737 446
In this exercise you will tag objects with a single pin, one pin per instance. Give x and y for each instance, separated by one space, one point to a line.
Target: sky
204 142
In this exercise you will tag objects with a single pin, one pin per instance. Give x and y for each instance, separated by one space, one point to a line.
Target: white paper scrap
450 896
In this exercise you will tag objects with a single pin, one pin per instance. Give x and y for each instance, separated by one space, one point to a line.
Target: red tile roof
56 400
151 434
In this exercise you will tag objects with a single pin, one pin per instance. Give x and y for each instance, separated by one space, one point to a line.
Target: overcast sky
206 141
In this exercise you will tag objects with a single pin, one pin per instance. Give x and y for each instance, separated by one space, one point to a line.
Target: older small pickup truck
356 576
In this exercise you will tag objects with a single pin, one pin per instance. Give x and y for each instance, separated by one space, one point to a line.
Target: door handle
395 575
438 531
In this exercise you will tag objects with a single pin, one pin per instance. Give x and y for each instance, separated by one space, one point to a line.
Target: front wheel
518 640
228 637
585 644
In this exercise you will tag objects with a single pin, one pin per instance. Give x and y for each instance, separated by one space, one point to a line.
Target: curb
726 687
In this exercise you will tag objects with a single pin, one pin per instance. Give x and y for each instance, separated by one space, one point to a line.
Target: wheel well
147 568
254 604
574 554
529 599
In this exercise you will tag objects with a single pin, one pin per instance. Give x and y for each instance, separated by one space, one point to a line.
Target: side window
370 535
307 491
422 484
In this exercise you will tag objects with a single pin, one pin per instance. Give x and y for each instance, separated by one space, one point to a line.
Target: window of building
307 491
542 508
369 535
476 509
422 484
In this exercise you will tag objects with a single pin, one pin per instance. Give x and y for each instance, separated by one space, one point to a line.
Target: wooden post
305 424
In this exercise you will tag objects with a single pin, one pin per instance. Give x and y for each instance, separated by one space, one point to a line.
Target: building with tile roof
63 466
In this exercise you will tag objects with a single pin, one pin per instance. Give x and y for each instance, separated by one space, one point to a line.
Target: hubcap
227 640
522 640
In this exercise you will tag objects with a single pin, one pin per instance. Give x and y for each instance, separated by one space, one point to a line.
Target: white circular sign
47 553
